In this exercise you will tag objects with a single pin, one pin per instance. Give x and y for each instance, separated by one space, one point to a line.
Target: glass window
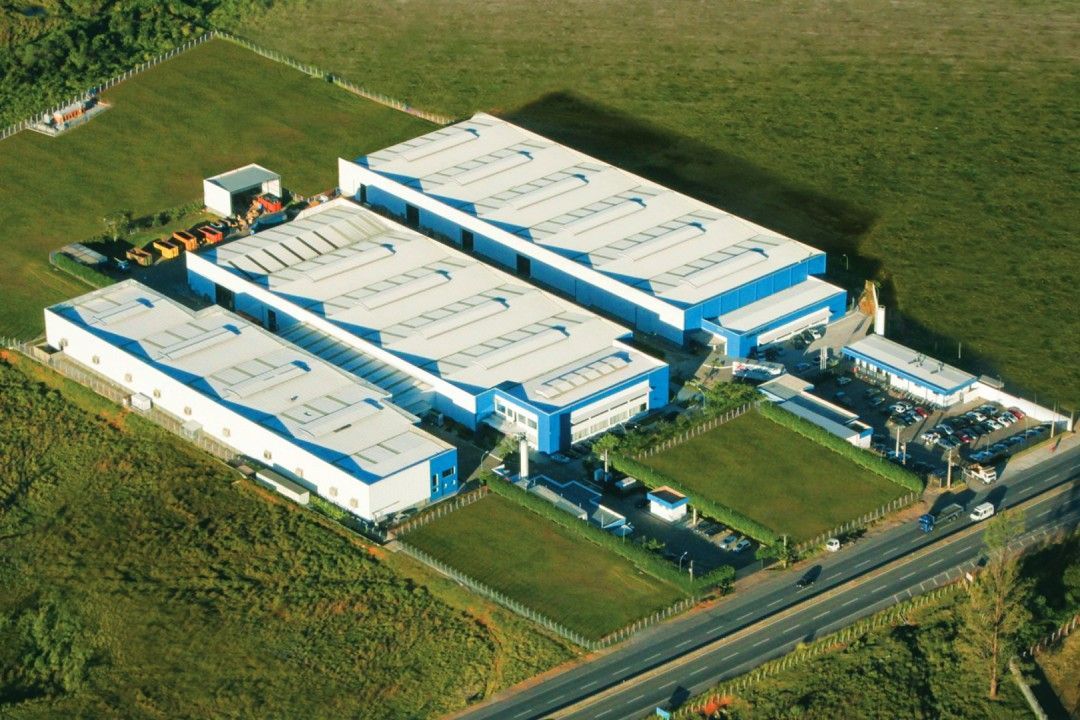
448 472
434 483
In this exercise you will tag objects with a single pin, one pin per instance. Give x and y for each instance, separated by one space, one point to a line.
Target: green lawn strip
89 275
773 476
546 567
141 579
214 108
927 145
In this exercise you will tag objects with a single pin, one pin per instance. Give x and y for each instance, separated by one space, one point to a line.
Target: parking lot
976 431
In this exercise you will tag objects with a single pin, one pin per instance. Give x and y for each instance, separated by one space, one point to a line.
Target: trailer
139 257
189 241
944 516
168 248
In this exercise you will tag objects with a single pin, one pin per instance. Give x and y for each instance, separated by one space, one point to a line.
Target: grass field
544 566
781 479
212 109
926 141
138 578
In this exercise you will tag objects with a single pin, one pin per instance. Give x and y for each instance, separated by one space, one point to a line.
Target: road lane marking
936 562
864 562
654 655
854 599
879 588
602 714
905 577
718 628
666 685
622 670
523 713
1045 512
820 615
635 699
687 641
743 617
762 641
774 602
699 671
590 684
728 657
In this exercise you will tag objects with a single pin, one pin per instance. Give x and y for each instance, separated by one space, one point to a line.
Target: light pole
680 559
691 569
846 266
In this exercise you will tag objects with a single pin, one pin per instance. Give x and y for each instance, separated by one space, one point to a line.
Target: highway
666 665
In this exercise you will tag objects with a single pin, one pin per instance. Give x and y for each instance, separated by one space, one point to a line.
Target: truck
944 516
986 473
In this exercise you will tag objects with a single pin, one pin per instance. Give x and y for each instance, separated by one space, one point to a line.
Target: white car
832 544
1006 418
740 546
841 381
728 542
992 423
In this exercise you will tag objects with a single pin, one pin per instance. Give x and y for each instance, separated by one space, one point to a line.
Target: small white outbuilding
221 191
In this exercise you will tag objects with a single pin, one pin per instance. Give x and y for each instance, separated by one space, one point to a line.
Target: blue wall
740 344
442 486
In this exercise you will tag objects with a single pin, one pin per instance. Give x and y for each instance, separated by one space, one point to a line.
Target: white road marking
820 615
654 655
864 562
590 684
879 588
622 670
743 617
523 713
761 642
728 657
905 577
1045 512
635 699
960 552
699 671
774 602
718 628
854 599
604 713
666 685
936 562
685 642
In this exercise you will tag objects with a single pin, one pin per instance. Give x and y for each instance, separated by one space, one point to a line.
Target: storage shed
229 192
668 504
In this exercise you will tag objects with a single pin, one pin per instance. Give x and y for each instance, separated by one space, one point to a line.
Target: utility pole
896 450
948 473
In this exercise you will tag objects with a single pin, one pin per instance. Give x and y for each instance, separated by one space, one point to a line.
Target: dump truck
270 203
139 257
944 516
168 248
189 241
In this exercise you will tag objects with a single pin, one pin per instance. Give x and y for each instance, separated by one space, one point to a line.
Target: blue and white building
432 326
318 427
912 372
659 260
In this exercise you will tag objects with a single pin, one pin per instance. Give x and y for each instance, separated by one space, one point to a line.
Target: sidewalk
1025 460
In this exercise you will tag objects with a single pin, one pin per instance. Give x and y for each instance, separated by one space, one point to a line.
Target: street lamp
846 265
680 559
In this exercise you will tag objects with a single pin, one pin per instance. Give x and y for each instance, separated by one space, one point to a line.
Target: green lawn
544 566
927 141
139 578
773 475
217 107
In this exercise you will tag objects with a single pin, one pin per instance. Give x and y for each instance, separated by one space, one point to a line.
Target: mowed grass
781 479
544 566
212 109
932 143
139 578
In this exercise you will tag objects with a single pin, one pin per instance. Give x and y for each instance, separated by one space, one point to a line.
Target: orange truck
211 234
270 203
189 241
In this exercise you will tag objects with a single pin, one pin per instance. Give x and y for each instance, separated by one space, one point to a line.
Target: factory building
883 360
435 328
318 428
658 260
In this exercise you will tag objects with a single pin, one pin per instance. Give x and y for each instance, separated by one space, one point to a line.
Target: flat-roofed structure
658 259
794 395
910 371
314 424
426 321
223 192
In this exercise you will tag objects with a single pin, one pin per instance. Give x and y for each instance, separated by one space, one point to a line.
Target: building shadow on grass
736 185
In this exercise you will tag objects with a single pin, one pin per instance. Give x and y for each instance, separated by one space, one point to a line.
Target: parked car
1015 440
803 367
930 437
843 380
1017 413
964 437
992 424
1040 429
878 400
988 408
740 546
921 411
816 333
729 542
1006 418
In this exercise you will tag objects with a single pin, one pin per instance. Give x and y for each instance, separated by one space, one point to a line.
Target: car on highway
982 511
740 546
808 578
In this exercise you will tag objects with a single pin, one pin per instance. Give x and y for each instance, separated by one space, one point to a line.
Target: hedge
859 456
645 560
730 517
84 272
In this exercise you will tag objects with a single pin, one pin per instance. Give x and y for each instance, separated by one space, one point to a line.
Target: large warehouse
434 326
319 427
660 260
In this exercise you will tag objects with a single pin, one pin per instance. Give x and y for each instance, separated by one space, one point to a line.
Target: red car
962 436
1017 413
922 412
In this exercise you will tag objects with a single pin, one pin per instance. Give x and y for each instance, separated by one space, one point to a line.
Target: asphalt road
939 560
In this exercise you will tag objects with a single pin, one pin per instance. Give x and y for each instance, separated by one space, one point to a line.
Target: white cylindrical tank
523 448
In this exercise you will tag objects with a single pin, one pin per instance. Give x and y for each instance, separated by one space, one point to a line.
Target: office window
448 472
127 377
267 455
531 423
434 483
353 503
333 492
299 472
226 432
187 410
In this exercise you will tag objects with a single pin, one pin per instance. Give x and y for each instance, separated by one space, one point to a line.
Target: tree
117 223
604 446
996 608
781 551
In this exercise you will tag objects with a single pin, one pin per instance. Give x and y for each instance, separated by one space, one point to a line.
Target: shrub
85 273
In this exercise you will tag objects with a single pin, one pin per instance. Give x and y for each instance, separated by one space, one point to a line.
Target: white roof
439 309
607 219
902 360
244 178
777 305
335 415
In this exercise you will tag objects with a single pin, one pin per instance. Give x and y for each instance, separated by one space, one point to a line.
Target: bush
860 457
636 553
85 273
730 517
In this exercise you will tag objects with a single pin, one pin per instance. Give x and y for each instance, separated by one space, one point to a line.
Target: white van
982 511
